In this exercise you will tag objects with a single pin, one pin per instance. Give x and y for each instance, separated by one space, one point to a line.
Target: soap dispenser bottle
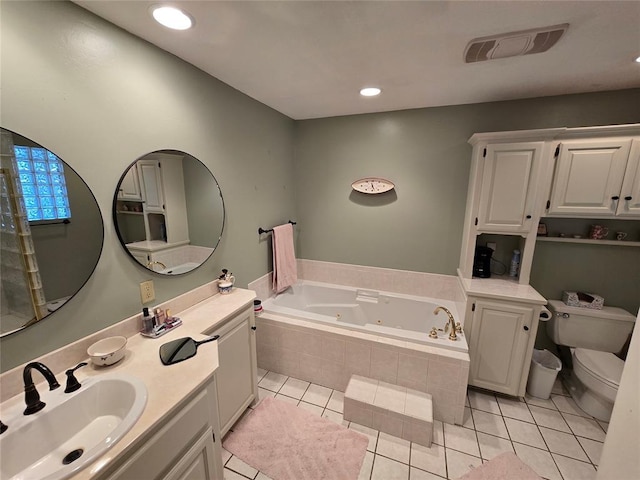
147 321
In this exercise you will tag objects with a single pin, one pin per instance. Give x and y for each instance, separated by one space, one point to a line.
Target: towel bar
262 230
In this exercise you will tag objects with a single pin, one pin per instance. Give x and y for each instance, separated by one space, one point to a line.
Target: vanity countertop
167 386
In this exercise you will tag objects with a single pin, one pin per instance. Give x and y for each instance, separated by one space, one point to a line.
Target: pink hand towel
285 272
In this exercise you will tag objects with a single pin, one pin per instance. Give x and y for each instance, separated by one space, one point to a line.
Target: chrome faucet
31 395
151 264
450 322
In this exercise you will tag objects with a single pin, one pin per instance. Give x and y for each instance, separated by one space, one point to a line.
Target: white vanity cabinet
596 178
501 335
186 446
237 375
510 175
151 185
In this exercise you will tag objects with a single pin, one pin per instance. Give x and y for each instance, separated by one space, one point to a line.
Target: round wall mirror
51 232
169 212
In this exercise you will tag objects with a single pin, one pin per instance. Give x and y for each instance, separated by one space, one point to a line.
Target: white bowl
107 351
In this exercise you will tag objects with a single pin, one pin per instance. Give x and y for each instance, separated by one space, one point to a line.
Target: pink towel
285 272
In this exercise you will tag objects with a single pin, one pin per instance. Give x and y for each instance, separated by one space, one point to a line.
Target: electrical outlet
147 294
491 245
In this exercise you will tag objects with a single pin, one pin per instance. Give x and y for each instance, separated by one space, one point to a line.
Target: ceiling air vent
524 42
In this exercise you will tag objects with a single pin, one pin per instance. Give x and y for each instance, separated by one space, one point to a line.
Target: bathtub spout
451 323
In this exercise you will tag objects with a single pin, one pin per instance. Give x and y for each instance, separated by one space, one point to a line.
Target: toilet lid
603 365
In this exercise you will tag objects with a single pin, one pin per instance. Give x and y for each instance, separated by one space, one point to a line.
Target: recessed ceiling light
172 17
370 92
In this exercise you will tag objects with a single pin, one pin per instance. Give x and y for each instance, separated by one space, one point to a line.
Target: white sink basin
90 420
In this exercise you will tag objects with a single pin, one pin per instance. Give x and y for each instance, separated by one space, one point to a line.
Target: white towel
285 272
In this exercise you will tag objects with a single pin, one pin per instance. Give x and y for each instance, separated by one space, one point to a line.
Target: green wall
101 98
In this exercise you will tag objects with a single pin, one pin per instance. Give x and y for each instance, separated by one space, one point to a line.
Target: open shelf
618 243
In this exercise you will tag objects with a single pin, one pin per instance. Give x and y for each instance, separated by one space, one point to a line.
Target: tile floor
554 437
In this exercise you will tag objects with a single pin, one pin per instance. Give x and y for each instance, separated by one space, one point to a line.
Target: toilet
593 336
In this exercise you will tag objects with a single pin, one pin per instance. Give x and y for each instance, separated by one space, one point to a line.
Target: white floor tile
459 463
284 398
317 395
540 402
585 427
558 388
264 393
467 420
491 446
273 381
483 401
540 460
515 409
416 474
563 443
231 475
393 447
371 434
490 423
438 432
336 402
367 466
604 425
335 417
226 455
387 469
262 476
593 449
294 388
545 417
315 409
429 459
461 439
526 433
261 373
574 469
241 467
568 405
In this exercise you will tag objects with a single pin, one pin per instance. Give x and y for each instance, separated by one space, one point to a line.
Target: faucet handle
458 327
72 382
3 427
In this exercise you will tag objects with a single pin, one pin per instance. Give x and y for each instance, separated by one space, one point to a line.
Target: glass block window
43 183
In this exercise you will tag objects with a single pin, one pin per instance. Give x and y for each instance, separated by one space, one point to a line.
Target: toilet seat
605 366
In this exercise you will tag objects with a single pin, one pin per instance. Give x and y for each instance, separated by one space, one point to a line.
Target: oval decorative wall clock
372 185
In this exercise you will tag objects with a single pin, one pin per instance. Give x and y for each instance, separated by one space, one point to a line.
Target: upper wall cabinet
508 190
596 178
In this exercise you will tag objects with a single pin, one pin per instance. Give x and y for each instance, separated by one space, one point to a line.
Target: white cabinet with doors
509 186
237 376
597 178
501 335
130 186
151 185
186 447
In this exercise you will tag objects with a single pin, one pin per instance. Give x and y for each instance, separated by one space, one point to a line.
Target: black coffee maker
482 262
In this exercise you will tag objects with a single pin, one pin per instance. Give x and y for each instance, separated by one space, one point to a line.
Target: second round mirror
169 212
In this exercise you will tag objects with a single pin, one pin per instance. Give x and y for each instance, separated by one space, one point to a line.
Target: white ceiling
309 59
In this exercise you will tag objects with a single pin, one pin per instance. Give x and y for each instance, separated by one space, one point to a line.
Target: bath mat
286 442
505 466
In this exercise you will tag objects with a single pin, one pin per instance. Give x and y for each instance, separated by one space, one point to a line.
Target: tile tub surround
446 287
328 356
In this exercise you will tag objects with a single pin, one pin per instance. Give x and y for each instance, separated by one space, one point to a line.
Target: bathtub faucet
450 323
151 264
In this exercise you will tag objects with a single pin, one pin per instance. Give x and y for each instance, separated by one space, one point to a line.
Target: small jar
257 307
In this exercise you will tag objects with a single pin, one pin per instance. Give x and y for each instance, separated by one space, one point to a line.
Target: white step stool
392 409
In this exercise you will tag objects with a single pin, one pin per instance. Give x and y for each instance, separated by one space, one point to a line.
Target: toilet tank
604 330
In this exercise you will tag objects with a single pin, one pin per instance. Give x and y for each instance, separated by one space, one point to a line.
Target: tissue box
584 300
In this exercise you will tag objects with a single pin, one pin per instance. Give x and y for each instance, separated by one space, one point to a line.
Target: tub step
392 409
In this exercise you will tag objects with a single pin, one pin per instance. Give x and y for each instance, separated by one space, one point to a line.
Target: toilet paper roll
545 314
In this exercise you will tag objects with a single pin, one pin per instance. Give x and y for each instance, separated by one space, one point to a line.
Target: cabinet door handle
615 197
526 329
528 216
254 327
628 197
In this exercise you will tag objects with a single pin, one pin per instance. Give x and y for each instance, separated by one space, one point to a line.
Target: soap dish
169 325
107 351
